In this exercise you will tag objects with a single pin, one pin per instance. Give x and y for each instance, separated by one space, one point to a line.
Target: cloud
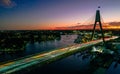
7 3
114 23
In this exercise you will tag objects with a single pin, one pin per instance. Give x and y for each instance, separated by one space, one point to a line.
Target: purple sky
40 14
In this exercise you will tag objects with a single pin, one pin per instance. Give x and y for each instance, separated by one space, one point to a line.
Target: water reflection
85 62
37 47
73 64
79 63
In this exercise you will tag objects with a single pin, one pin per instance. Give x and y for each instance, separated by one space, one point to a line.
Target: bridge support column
98 20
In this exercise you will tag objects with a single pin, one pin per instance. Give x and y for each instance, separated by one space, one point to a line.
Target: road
23 63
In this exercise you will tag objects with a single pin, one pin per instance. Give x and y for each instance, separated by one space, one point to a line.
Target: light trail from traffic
26 62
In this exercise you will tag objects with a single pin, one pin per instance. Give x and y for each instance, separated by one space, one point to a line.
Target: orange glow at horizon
60 26
112 27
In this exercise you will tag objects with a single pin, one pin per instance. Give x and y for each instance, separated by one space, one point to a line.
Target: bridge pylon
98 20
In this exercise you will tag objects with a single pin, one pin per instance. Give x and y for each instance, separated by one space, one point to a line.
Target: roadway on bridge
23 63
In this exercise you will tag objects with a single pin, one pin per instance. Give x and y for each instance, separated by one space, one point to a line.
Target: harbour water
37 47
85 62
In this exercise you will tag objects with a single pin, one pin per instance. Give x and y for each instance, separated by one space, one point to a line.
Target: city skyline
49 14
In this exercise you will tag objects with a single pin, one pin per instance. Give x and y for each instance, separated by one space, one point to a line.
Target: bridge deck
23 63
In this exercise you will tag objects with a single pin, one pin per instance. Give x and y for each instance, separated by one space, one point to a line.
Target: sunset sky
47 14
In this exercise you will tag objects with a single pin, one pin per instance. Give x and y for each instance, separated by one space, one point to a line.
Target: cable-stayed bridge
39 59
27 63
